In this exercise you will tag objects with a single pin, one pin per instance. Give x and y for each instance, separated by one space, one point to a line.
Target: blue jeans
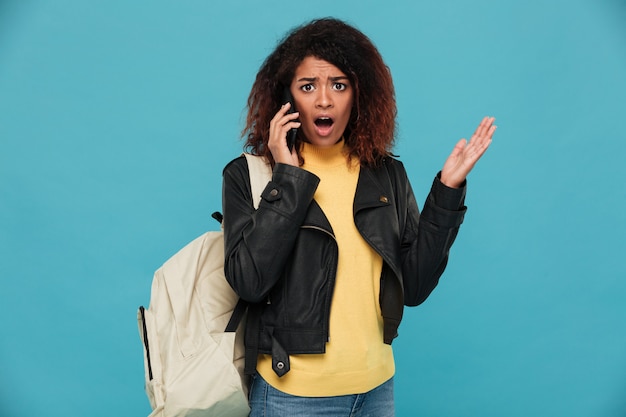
267 401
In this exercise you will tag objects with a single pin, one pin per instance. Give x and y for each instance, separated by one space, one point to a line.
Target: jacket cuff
296 183
446 197
297 174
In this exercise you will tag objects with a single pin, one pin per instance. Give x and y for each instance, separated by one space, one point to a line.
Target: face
323 96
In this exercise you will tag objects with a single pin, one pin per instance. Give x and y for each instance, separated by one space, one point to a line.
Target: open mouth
324 122
324 126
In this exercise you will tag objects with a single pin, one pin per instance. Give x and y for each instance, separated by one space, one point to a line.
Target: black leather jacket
282 258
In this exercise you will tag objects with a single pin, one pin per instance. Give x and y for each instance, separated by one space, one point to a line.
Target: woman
337 246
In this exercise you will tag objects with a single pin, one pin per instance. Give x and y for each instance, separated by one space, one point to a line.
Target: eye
339 86
307 87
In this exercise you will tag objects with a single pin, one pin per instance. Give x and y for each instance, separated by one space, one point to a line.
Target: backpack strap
235 318
252 335
260 174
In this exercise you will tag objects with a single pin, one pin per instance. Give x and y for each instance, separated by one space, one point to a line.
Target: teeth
324 121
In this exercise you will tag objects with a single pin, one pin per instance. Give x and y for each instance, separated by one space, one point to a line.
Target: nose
324 99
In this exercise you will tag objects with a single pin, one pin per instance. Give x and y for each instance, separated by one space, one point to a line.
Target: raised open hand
465 154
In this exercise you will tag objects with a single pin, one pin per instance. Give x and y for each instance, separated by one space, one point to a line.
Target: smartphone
293 133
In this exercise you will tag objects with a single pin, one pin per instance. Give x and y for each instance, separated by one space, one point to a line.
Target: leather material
283 256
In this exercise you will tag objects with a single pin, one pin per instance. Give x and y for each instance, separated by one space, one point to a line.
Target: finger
285 107
290 117
492 130
286 118
481 126
478 148
485 139
281 112
279 129
280 120
276 118
458 148
484 126
483 130
291 125
460 144
287 122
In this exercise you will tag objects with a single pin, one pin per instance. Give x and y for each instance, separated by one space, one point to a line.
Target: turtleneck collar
329 156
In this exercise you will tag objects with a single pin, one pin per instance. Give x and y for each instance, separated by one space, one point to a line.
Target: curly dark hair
370 133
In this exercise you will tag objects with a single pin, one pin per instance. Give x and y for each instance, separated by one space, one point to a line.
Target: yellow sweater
356 359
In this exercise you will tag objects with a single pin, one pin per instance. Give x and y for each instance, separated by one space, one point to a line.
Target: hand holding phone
292 133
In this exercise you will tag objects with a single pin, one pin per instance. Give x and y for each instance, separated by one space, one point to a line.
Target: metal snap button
280 365
274 192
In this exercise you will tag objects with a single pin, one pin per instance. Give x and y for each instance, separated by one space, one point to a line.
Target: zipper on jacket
330 296
142 311
321 230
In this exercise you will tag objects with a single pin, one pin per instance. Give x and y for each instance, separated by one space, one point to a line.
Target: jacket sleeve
428 237
257 243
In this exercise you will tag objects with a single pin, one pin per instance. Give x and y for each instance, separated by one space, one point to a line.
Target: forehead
316 67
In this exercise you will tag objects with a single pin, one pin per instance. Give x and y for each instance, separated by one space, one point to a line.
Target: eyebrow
313 79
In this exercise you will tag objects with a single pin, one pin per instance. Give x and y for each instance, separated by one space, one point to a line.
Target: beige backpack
193 362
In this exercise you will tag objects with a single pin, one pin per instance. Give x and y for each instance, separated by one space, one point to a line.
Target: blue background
117 117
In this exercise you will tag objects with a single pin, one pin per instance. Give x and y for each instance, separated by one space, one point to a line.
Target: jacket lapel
375 215
316 218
